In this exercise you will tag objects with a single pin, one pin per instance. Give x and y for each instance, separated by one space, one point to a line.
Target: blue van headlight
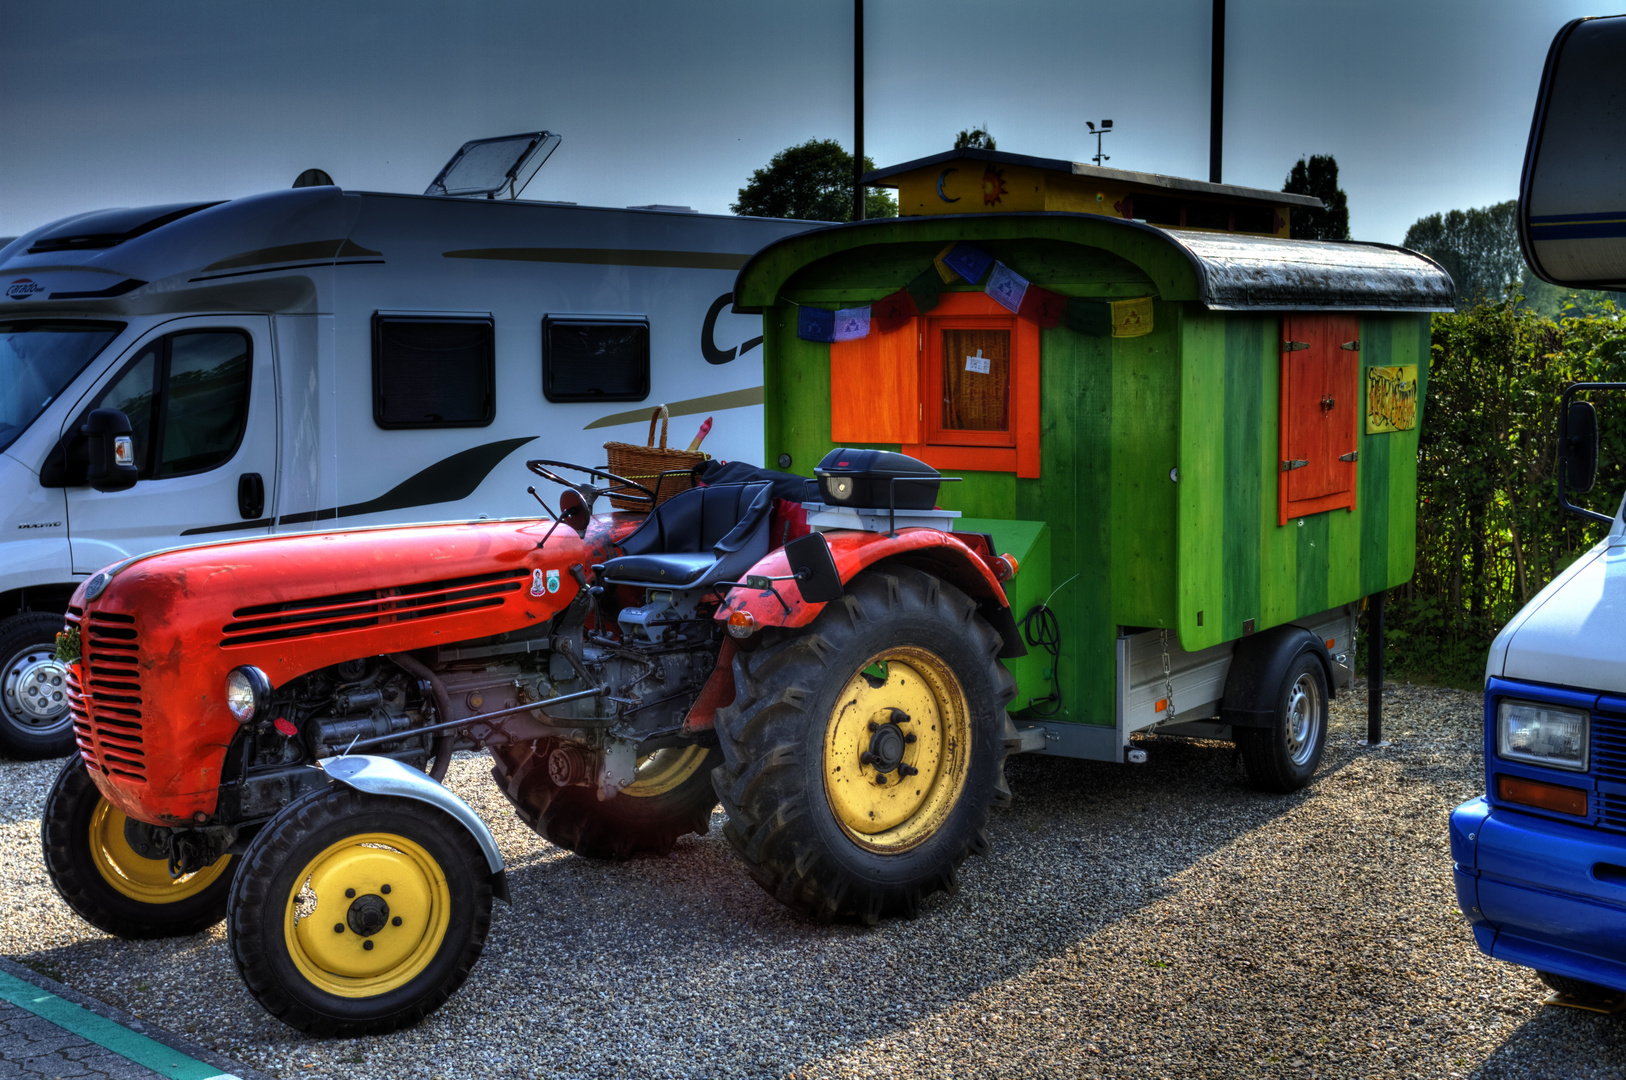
1542 734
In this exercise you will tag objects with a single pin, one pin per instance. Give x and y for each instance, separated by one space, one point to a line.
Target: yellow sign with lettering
1391 398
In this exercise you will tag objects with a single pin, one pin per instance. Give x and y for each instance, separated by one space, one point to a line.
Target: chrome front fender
386 776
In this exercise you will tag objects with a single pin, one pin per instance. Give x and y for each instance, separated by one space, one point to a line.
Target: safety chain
1168 680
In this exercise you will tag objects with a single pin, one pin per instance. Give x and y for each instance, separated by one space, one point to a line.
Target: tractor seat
703 535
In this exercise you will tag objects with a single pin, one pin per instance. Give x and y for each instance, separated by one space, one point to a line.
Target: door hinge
1353 455
1289 466
1352 346
1294 346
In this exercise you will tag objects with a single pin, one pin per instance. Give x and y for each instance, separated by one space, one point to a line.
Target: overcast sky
1425 103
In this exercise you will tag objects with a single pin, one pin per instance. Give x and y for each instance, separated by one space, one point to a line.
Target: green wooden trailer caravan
1197 436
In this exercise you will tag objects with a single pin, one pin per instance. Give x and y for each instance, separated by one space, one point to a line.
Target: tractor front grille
104 694
350 611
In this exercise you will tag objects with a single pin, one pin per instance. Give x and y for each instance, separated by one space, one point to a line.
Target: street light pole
858 110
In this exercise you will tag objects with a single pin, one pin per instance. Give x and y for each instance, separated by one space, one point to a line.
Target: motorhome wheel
357 914
34 720
90 859
863 753
670 797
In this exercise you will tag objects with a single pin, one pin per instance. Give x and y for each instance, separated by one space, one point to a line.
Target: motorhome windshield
38 359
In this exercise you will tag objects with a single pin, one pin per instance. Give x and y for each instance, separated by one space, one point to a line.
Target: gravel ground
1160 920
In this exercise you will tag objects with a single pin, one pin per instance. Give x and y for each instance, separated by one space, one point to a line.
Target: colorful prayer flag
943 271
1132 318
893 312
1092 317
815 324
968 261
1006 286
852 323
1041 306
924 291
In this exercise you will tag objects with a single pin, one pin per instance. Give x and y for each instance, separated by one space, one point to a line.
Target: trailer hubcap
896 750
36 689
369 914
1303 718
134 875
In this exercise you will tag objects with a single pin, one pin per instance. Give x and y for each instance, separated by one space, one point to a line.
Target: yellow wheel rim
367 915
897 749
663 770
134 875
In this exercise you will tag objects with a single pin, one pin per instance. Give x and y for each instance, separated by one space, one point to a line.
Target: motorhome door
201 397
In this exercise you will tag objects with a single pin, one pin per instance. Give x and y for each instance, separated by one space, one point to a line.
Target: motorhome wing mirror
111 449
1579 448
1572 194
817 578
495 168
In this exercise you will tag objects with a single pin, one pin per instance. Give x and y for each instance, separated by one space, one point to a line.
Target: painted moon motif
942 177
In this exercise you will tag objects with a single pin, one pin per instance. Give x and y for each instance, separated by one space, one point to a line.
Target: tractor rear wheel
862 754
670 797
90 860
358 914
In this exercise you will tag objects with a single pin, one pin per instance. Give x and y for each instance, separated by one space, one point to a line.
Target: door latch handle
1353 455
250 495
1289 466
1327 403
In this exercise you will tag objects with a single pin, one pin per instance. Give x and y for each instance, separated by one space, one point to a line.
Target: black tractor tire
104 880
310 959
34 718
1583 992
899 639
672 797
1283 757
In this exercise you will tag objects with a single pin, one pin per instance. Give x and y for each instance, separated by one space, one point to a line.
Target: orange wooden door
1319 410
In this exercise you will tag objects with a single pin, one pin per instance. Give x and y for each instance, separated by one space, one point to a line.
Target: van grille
104 694
351 611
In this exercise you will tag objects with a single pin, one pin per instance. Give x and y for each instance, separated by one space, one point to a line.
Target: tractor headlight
1542 734
248 691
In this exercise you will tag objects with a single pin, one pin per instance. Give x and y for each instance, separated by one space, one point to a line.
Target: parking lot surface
1155 920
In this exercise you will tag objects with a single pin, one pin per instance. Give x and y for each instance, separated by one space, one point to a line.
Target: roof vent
313 178
495 168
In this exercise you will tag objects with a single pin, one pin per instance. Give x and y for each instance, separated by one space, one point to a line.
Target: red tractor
262 724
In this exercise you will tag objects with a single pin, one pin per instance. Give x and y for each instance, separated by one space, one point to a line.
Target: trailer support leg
1374 670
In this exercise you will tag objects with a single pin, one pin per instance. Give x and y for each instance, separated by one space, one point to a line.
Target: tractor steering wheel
620 485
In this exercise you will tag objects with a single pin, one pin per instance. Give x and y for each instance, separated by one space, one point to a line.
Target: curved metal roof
1239 272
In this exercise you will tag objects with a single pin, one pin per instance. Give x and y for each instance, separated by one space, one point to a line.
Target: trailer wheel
358 914
90 861
862 754
1283 757
1582 991
34 719
672 796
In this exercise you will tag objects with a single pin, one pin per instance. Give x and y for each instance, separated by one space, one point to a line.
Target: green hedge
1490 532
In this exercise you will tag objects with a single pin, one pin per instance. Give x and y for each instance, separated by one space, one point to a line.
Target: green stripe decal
146 1052
1244 397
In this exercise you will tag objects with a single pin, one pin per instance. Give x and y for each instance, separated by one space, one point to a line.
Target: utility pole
858 110
1216 94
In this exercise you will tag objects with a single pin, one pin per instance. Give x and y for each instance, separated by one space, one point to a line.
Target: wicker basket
665 472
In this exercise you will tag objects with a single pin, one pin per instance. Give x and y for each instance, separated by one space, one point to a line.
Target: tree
974 139
1318 177
810 182
1479 248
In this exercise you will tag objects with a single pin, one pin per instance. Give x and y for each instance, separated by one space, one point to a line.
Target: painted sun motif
993 186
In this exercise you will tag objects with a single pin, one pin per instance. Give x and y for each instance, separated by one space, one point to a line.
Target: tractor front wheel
670 796
107 882
357 914
863 753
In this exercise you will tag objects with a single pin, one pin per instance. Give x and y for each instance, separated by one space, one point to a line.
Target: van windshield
38 359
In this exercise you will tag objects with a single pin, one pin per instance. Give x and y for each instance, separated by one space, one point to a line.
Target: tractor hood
160 634
1570 634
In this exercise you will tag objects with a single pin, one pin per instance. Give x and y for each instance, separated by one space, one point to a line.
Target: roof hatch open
495 168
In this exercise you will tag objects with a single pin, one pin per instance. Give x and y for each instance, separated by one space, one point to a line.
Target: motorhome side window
439 372
595 360
187 399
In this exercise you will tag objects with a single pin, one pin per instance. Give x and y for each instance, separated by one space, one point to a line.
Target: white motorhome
316 357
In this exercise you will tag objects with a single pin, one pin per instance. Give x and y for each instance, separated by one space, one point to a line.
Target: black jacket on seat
703 535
